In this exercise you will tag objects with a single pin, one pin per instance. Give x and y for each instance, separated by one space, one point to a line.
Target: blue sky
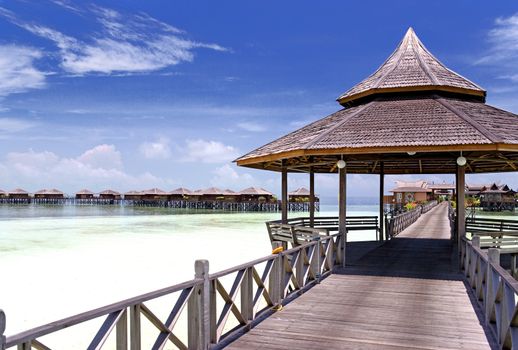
138 94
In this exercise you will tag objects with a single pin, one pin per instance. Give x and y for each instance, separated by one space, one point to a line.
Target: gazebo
413 115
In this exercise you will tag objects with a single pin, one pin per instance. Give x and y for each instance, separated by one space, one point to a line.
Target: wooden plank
405 294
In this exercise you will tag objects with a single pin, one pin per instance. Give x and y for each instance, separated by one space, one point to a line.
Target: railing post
276 275
247 303
2 329
135 340
475 241
493 258
198 309
122 332
315 262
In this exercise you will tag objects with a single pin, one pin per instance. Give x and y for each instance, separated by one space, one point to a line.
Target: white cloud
226 176
126 43
12 125
17 70
207 152
503 53
251 126
97 168
156 150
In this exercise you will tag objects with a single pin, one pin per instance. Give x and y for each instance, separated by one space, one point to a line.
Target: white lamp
461 161
411 153
341 164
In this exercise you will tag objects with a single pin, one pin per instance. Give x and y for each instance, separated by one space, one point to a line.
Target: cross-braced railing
214 308
495 289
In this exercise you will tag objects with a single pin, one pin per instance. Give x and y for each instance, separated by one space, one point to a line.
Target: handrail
206 301
396 224
496 291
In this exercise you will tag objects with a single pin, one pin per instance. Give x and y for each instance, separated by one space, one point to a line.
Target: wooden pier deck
404 294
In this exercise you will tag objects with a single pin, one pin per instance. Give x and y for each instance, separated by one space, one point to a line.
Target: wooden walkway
404 294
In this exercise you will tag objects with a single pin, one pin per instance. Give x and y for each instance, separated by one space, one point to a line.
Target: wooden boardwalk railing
495 289
395 225
262 285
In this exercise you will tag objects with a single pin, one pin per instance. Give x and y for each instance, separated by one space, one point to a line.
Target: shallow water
61 260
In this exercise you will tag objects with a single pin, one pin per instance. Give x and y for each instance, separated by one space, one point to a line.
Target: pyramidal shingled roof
411 67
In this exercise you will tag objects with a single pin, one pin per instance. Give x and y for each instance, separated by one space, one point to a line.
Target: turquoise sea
60 260
57 261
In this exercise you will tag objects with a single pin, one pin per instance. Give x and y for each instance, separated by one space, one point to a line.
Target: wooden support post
247 297
198 309
493 256
311 197
316 261
275 278
475 241
213 314
461 212
382 203
122 332
2 329
284 193
135 339
342 174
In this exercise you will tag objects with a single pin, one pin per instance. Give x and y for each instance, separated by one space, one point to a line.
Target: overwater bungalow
182 194
84 194
110 194
133 195
443 190
411 191
154 194
211 194
49 194
256 194
301 194
18 193
497 198
3 194
230 196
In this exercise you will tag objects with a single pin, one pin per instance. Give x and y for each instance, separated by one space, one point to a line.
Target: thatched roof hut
212 194
133 195
18 193
154 194
84 194
413 115
300 195
49 194
3 194
110 194
411 104
255 194
182 193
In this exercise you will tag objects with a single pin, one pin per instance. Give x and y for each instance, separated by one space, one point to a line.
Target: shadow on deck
405 294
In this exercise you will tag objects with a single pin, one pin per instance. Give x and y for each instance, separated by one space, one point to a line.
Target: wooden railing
214 310
396 224
331 223
495 289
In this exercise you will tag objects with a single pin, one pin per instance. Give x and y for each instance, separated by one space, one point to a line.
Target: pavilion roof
134 193
436 121
84 191
411 66
211 191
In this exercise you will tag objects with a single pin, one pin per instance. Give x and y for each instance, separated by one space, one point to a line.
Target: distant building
3 194
133 195
182 194
211 194
255 194
154 194
18 193
84 194
300 195
110 194
49 194
493 197
408 192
